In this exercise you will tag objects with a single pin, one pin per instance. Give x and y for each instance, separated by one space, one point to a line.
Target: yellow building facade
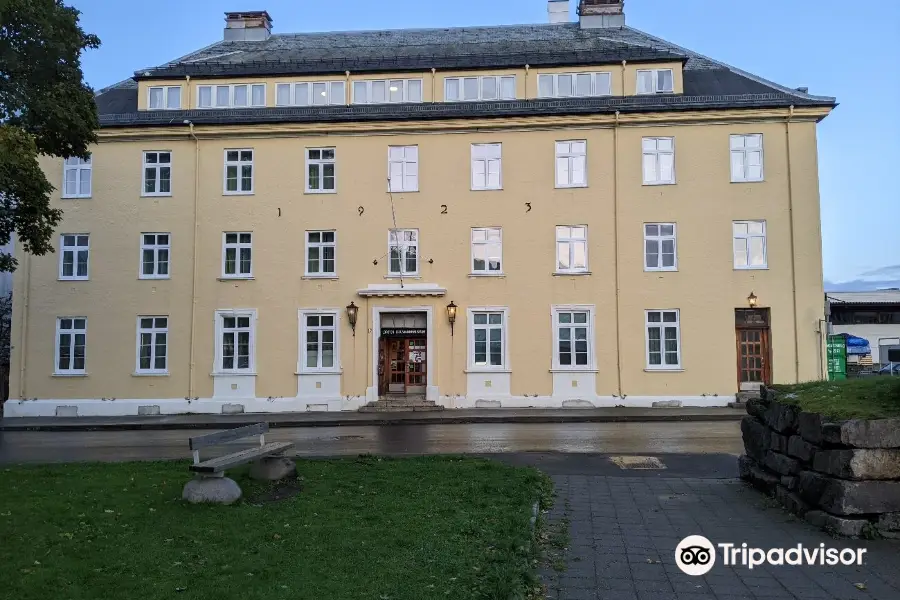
281 223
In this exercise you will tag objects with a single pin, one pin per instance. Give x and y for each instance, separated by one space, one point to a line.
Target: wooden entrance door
405 370
753 355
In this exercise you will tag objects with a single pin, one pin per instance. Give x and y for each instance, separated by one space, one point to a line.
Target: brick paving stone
623 533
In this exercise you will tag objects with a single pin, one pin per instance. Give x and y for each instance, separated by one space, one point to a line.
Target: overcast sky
834 47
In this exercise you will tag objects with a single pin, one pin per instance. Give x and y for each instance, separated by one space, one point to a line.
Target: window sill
571 274
765 268
237 193
325 372
646 270
233 374
652 183
574 370
156 195
75 197
139 374
327 277
570 187
402 192
250 278
154 278
73 279
672 370
69 375
748 181
500 275
486 370
499 189
318 192
403 277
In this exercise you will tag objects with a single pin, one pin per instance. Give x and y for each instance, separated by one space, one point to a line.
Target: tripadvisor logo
696 555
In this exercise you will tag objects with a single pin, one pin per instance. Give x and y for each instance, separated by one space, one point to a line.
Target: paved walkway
334 419
624 528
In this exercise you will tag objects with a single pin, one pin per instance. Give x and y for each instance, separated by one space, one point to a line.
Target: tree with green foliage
45 109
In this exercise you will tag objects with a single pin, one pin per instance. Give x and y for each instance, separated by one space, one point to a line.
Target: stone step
382 409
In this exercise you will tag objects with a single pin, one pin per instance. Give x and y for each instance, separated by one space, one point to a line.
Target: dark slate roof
707 83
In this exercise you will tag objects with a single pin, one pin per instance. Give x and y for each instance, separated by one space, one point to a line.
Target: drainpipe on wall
787 133
616 251
348 93
187 84
624 62
527 68
194 256
433 83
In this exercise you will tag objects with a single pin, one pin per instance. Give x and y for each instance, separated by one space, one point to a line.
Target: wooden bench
215 467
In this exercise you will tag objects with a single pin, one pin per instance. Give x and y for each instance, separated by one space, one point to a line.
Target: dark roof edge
432 111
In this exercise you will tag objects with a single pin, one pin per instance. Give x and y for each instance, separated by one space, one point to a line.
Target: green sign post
837 358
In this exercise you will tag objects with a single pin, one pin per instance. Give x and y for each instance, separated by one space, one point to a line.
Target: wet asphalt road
687 438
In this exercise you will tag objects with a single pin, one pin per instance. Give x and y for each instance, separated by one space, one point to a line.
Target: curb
9 424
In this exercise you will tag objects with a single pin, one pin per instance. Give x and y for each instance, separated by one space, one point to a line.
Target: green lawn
367 528
866 398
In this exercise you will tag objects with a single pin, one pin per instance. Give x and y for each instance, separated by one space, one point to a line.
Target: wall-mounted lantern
752 300
451 315
352 313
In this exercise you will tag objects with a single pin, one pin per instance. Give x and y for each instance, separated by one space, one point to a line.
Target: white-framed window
238 171
235 342
403 168
237 254
71 342
488 338
403 252
749 244
660 247
487 251
571 249
659 160
155 249
157 173
663 339
164 97
571 164
320 171
152 345
747 157
486 167
231 96
310 93
321 251
571 85
77 177
655 81
385 91
573 337
319 348
74 256
487 87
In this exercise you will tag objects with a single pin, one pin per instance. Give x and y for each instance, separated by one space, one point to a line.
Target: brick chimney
601 13
248 26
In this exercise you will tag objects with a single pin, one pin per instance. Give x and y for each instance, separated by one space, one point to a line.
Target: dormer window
572 85
231 96
655 81
164 97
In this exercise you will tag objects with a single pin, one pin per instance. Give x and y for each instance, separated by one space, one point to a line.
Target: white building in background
874 316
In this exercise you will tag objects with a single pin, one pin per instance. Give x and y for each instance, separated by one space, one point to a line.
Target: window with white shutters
486 167
747 158
403 168
658 160
571 164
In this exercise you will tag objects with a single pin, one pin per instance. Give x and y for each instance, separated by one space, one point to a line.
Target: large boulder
889 522
756 407
779 443
859 464
211 490
273 468
862 433
841 497
791 501
800 449
781 464
782 417
848 527
756 438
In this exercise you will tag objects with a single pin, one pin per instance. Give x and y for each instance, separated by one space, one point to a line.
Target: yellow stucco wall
614 206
